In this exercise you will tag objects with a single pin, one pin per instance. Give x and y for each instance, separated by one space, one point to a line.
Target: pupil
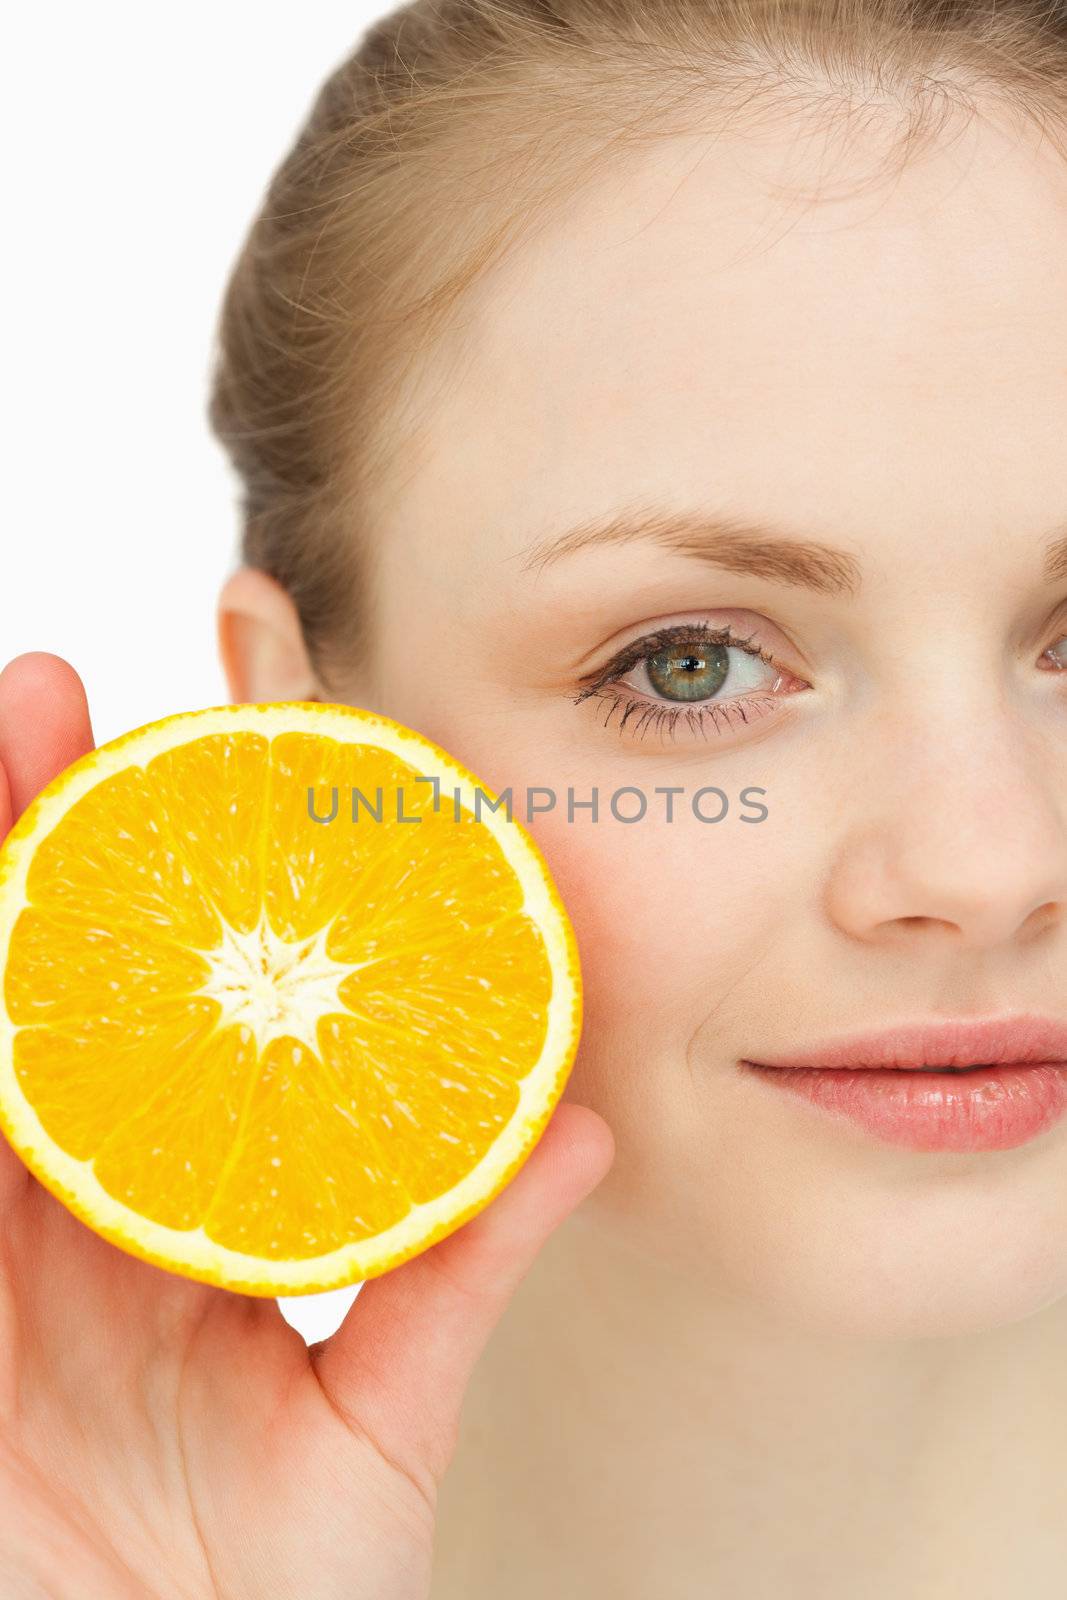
689 674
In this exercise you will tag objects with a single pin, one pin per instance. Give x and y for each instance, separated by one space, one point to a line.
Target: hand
162 1437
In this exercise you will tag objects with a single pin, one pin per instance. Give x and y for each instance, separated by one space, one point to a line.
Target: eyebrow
737 544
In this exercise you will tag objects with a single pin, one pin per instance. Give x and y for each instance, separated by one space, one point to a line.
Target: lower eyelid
696 716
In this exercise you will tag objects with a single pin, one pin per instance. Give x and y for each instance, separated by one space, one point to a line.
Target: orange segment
167 1157
438 879
445 1000
87 1078
279 1200
63 968
432 1120
215 792
265 1050
314 868
113 857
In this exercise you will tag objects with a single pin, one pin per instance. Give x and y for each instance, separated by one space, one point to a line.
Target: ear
260 642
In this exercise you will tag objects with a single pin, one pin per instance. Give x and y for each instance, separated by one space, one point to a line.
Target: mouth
957 1046
962 1085
974 1066
921 1066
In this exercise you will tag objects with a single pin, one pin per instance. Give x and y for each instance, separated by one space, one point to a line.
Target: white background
138 142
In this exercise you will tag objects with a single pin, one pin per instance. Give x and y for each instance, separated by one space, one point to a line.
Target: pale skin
767 1353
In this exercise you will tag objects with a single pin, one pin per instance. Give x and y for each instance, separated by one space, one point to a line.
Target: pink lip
883 1081
936 1044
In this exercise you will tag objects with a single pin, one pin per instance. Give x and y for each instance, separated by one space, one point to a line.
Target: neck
627 1429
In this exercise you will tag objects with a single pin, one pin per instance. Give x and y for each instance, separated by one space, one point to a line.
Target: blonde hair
451 129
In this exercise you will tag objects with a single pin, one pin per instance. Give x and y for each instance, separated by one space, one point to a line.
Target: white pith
274 986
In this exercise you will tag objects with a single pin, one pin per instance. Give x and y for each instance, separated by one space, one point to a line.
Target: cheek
668 919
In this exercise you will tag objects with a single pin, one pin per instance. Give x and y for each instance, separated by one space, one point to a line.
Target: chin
938 1269
842 1255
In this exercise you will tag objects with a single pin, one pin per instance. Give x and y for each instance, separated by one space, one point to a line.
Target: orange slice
280 1011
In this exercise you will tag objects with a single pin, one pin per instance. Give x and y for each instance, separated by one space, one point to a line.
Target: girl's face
748 329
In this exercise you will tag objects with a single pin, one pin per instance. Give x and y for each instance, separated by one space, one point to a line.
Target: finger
44 723
44 726
13 1175
398 1366
7 816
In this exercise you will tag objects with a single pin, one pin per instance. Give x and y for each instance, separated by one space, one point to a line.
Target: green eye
688 673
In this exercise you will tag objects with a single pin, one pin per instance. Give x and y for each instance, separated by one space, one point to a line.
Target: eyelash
657 714
662 714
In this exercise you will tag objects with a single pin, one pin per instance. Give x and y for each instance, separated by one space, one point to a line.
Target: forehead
766 318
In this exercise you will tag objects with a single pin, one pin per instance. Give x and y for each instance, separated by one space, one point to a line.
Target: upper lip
964 1043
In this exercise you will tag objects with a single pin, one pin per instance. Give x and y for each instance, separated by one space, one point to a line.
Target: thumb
13 1173
44 723
398 1366
7 810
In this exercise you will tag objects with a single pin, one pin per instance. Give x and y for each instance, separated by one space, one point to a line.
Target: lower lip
986 1108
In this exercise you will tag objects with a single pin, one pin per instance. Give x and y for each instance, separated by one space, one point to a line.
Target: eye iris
688 673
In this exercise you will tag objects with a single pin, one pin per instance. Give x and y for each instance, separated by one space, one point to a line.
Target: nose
960 838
